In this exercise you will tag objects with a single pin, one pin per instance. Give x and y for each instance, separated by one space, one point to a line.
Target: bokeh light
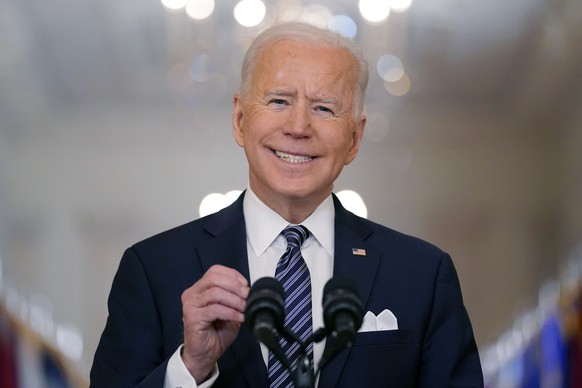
343 25
353 202
390 68
290 10
400 87
214 202
316 14
374 10
200 9
400 5
377 126
249 13
174 4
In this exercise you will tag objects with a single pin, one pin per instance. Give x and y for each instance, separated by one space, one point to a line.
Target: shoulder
412 253
378 234
384 236
397 249
387 240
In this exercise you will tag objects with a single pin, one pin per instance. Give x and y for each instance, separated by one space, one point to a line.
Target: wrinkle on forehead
331 78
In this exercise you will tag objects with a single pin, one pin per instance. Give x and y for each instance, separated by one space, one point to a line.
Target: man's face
297 125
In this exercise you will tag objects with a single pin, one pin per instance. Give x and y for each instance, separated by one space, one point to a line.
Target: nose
299 121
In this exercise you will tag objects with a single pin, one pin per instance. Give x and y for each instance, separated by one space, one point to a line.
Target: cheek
344 154
342 145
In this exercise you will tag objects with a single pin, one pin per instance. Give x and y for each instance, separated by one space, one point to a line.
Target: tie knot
296 235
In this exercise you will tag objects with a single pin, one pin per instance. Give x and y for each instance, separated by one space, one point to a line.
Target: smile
293 158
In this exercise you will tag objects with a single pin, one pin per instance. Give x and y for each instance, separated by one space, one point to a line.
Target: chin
298 194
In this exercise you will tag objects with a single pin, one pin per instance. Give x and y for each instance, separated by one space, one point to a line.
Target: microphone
265 314
265 309
342 315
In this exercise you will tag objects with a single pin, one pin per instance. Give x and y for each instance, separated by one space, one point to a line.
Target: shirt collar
263 225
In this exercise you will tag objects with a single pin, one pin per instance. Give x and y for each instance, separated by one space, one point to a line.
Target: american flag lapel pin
358 251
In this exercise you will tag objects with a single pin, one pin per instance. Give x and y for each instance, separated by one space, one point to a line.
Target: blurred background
115 125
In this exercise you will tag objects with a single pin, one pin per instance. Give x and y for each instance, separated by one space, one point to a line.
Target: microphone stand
342 317
304 376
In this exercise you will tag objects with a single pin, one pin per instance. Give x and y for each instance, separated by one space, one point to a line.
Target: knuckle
214 295
210 277
184 296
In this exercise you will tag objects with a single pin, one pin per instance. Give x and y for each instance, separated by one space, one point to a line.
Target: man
176 308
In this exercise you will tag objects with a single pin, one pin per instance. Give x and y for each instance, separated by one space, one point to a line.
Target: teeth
292 158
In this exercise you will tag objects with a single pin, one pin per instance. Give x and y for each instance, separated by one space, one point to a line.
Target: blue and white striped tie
293 274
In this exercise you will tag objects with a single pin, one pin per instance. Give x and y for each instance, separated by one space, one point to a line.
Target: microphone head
266 298
338 283
341 301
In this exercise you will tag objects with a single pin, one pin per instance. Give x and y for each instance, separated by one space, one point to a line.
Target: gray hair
306 33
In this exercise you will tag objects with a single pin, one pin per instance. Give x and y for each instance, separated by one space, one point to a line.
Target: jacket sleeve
449 357
130 351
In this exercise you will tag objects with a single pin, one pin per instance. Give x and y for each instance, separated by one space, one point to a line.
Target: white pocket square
386 320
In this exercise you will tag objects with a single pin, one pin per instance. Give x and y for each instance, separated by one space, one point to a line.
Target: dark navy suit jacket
433 346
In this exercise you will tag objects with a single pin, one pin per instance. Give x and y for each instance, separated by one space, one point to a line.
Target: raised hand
212 310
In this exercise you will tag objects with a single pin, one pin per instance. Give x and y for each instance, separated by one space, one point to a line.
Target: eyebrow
325 100
279 92
289 93
286 92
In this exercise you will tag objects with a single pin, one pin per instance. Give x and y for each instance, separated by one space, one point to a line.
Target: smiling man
176 308
298 124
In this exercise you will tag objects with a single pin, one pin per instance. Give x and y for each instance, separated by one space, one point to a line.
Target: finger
225 280
227 271
212 313
214 295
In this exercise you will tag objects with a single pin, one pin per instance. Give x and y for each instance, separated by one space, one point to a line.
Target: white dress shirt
265 245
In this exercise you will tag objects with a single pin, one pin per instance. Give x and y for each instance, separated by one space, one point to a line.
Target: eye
323 109
278 101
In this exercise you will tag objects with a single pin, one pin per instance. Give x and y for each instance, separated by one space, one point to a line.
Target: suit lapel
361 268
227 245
229 248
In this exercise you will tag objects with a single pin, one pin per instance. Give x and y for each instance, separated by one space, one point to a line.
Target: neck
294 213
293 210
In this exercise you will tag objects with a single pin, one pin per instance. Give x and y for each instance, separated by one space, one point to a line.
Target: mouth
292 158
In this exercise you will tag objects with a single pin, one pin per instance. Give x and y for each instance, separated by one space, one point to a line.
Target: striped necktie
293 274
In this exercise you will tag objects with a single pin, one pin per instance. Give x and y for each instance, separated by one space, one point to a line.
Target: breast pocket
381 359
383 338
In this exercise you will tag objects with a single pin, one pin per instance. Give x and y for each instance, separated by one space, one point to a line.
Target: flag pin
359 251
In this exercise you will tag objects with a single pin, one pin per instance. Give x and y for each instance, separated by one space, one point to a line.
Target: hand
212 311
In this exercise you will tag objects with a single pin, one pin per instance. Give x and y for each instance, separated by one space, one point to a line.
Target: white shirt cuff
178 376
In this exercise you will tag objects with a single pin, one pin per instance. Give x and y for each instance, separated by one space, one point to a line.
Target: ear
357 136
237 120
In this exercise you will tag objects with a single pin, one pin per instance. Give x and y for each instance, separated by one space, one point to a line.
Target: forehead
286 59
